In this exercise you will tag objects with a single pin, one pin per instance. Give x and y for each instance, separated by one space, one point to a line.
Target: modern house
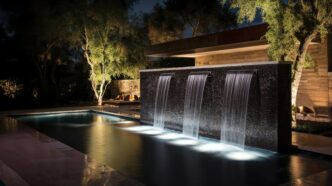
248 45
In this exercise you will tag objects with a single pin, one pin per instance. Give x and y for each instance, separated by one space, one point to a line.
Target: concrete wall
316 83
268 119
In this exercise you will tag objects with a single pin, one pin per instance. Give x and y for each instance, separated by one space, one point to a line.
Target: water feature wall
193 103
234 112
268 119
161 97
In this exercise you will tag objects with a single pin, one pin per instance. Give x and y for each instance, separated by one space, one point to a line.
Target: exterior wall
314 86
268 119
315 83
233 58
124 87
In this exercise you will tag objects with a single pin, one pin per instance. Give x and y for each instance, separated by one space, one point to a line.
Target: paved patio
26 153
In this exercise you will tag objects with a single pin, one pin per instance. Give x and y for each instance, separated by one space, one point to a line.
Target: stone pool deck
28 157
131 111
31 158
25 153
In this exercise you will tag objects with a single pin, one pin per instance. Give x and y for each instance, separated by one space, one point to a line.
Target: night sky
145 6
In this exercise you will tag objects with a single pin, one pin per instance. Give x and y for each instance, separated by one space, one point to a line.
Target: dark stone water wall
269 108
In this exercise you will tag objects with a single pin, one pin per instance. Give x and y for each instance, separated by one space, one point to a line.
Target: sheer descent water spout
193 103
234 112
161 99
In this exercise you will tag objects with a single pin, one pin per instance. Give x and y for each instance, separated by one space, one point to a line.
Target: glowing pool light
184 142
169 136
124 122
139 128
241 155
214 147
151 132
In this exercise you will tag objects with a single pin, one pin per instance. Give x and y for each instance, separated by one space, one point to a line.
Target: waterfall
234 113
193 103
161 99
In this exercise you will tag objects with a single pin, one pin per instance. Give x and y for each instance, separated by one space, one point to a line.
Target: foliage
292 24
10 88
175 17
309 63
163 26
37 30
111 45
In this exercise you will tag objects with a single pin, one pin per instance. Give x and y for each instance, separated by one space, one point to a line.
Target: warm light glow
124 122
131 98
99 119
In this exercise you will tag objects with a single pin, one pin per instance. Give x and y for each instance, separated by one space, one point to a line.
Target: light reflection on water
162 157
201 145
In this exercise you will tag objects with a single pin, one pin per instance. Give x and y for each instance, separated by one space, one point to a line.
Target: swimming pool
156 157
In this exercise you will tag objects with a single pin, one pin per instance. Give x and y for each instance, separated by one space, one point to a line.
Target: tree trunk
298 67
100 101
296 84
297 71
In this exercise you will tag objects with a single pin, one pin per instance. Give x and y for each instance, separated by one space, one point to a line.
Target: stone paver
28 157
311 142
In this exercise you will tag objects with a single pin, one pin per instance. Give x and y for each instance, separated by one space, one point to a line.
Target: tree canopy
52 34
173 18
108 40
292 24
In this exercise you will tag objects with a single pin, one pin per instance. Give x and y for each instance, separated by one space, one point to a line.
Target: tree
101 28
37 30
293 24
170 20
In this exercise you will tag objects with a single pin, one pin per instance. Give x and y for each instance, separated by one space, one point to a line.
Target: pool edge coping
124 116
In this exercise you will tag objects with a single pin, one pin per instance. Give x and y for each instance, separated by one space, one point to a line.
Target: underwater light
213 147
241 156
151 132
138 128
124 122
169 136
184 142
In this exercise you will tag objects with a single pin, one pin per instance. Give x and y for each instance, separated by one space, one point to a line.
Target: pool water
156 157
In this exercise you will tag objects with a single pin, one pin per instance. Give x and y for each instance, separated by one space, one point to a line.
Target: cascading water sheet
234 112
193 103
161 100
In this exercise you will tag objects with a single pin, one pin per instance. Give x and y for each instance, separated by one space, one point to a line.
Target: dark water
154 161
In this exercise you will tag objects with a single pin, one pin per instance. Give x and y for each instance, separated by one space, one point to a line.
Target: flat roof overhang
232 41
240 40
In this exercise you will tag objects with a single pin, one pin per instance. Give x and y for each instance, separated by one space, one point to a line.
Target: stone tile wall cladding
269 110
315 89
